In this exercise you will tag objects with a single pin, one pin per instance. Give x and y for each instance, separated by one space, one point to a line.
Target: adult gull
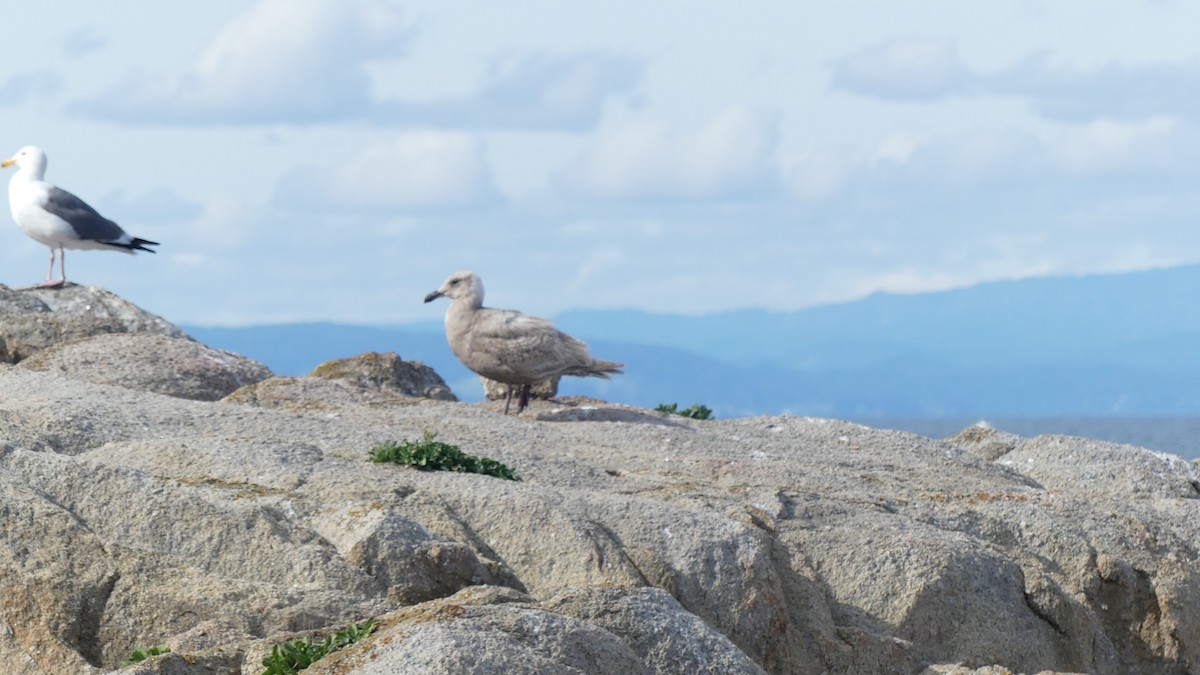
508 346
58 218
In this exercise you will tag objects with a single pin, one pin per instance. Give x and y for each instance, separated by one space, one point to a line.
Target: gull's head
459 285
29 158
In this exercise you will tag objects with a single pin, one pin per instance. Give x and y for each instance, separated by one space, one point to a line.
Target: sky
336 160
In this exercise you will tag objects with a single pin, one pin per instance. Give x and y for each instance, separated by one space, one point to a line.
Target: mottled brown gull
58 218
508 346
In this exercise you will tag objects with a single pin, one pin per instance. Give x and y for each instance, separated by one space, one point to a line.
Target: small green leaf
431 455
140 655
696 411
291 657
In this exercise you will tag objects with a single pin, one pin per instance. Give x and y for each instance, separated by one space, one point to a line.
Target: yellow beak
8 162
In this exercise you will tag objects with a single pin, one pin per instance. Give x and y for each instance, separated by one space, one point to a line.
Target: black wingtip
135 245
141 244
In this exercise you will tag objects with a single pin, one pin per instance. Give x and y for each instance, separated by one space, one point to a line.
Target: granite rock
634 543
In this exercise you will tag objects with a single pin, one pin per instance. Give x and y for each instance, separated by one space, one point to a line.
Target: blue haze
1095 347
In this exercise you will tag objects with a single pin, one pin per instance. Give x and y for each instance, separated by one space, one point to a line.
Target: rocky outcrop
32 319
151 362
781 545
387 371
88 333
642 543
307 394
372 378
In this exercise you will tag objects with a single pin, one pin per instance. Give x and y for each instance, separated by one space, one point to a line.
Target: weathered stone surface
156 565
790 545
447 637
387 371
151 362
32 319
208 635
665 637
201 663
990 444
376 379
587 409
308 394
411 563
1119 471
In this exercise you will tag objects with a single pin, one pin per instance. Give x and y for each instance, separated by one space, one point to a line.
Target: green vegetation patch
431 455
140 655
696 411
293 656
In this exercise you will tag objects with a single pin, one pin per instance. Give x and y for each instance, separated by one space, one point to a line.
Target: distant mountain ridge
1095 345
1046 320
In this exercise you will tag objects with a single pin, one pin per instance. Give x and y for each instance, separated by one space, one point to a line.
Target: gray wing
85 220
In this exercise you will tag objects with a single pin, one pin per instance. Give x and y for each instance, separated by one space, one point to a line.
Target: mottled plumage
508 346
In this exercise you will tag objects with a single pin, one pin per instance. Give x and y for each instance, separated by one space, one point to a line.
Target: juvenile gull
508 346
58 218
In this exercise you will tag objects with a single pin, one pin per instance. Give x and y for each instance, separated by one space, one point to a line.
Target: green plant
291 657
696 411
140 655
431 455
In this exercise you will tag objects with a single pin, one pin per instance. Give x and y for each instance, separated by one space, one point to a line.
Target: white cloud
635 157
903 158
817 173
415 170
909 69
732 155
1106 145
283 61
903 166
898 148
975 157
308 61
526 91
906 279
911 160
734 152
1116 90
986 158
929 70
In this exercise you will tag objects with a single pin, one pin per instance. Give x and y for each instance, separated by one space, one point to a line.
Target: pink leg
62 267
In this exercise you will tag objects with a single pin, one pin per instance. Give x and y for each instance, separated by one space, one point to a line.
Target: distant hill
1116 318
1108 344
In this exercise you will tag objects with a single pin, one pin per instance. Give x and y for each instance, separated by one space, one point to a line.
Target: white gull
58 218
